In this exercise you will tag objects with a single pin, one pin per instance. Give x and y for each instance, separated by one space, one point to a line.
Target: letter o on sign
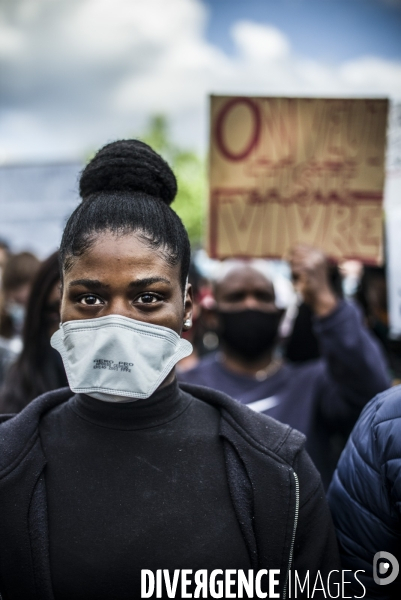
254 138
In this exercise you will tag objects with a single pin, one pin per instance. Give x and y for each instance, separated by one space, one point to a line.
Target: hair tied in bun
129 166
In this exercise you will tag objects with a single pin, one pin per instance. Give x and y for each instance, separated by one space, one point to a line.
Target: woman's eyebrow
88 283
148 281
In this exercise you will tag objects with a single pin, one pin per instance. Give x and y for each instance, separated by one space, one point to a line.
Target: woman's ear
188 307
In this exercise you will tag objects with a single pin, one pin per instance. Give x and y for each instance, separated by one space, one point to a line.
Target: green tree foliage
190 170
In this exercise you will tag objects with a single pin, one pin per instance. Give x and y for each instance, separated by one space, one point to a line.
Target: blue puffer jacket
365 494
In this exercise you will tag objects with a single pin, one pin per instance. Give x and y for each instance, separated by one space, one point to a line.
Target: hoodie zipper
294 531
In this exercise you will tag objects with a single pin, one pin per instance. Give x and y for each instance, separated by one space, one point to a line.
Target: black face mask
249 333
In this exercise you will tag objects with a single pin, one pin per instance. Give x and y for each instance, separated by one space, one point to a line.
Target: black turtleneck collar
164 405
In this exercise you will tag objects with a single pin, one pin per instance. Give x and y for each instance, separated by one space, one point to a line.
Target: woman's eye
90 300
147 299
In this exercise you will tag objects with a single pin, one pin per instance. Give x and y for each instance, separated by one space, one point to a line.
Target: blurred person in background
322 397
4 254
351 273
371 294
39 367
18 275
6 355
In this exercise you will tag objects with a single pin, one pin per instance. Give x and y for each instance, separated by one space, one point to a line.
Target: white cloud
373 73
78 73
260 42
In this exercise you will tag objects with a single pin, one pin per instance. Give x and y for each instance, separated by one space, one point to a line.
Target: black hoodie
275 490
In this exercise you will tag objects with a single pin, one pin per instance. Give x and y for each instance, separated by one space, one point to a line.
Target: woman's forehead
118 255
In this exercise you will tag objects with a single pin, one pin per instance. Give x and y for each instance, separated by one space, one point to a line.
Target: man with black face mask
321 398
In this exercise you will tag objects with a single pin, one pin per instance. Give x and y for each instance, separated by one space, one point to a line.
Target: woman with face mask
125 471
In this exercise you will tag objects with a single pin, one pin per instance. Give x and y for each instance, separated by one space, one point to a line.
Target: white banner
392 200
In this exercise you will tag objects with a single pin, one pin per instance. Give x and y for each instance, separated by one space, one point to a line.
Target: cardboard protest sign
288 170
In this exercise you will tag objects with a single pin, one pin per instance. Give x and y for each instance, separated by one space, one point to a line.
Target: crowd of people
123 447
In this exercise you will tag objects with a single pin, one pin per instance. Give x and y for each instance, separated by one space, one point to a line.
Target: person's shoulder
19 431
385 406
257 429
381 415
381 421
372 456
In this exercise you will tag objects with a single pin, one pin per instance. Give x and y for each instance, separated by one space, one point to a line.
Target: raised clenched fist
310 277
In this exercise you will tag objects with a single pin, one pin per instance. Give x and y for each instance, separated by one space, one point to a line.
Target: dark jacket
276 492
321 398
365 494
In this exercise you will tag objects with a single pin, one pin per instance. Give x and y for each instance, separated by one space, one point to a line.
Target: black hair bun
128 166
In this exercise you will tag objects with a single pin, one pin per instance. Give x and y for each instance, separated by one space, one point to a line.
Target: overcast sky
78 73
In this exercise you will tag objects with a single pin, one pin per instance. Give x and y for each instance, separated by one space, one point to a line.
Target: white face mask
117 359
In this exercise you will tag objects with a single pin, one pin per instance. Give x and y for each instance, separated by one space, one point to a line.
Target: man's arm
355 366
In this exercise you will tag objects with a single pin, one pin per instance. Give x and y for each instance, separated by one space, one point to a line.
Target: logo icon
385 568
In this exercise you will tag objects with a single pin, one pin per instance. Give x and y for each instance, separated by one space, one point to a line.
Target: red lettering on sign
227 153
